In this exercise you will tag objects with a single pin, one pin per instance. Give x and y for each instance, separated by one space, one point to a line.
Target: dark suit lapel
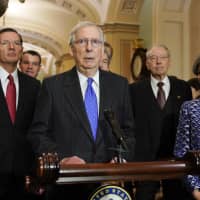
175 95
150 93
105 93
21 92
4 113
173 89
22 95
105 100
72 92
149 97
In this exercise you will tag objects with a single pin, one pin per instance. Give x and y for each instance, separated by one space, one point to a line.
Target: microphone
116 130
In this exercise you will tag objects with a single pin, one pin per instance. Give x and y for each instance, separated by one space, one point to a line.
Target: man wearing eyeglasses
69 117
18 94
156 103
30 63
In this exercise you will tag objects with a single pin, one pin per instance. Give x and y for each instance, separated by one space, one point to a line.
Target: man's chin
88 67
29 73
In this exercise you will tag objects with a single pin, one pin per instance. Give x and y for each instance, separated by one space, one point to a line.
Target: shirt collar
84 78
154 81
4 74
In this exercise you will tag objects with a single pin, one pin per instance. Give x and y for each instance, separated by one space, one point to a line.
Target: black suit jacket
60 122
156 128
14 148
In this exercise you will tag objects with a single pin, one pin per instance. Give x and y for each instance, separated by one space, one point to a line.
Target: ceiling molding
81 9
119 27
42 40
129 6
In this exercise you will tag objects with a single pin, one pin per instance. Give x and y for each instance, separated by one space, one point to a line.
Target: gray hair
148 53
81 25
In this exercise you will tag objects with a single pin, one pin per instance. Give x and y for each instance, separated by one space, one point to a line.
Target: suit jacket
14 148
60 122
156 128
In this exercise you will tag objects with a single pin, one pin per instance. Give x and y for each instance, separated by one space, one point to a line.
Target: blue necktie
91 107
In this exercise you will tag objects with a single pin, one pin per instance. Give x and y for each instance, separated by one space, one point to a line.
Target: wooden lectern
48 170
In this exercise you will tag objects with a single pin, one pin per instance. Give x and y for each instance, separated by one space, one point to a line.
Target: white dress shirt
166 86
95 85
4 81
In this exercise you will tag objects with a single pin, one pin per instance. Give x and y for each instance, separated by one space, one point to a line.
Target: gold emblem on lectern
110 192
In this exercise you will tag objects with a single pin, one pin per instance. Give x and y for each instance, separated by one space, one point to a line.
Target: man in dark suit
61 123
15 152
155 124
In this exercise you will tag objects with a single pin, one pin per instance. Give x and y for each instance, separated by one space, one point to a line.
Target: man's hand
196 194
116 160
72 160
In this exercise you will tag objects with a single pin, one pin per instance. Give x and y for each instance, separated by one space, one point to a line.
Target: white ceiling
47 23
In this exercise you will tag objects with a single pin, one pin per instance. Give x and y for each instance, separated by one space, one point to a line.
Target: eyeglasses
83 42
8 43
155 58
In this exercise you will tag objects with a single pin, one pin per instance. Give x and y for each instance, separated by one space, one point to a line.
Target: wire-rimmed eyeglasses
85 41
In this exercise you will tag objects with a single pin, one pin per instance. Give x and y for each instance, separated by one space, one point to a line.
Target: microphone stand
128 186
119 150
118 134
121 145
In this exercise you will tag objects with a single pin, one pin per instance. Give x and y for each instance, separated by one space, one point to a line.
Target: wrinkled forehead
27 56
88 32
9 36
158 51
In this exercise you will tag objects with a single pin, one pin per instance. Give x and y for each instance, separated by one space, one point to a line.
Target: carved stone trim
118 27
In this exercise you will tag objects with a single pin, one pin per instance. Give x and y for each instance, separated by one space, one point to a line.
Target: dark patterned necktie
91 107
161 99
11 98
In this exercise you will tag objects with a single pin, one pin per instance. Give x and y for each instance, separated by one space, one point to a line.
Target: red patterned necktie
161 95
11 98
